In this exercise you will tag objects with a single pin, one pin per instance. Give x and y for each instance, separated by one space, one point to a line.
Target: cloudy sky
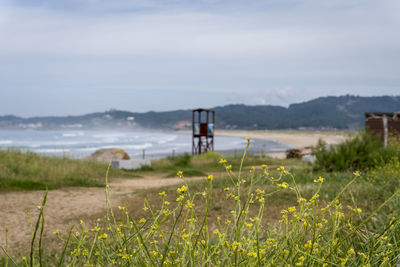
79 56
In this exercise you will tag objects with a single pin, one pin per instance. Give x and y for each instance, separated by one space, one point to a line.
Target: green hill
342 112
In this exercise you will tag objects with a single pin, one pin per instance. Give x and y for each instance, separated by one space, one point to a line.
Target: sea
137 143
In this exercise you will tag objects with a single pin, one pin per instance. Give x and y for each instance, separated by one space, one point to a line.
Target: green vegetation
361 152
29 171
265 216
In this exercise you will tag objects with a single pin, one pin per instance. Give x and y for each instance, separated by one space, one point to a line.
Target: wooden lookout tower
203 121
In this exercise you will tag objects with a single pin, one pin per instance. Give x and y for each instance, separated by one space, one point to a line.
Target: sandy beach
298 139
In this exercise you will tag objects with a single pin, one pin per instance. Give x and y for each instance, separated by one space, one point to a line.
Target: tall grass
310 232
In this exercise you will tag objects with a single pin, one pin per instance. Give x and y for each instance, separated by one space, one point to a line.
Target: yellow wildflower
235 245
252 254
292 209
182 189
260 192
222 161
189 204
357 211
283 185
320 180
103 236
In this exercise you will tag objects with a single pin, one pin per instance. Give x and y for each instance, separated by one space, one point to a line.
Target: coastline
296 138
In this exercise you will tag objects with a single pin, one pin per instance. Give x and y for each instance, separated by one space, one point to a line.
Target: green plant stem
65 247
8 255
37 227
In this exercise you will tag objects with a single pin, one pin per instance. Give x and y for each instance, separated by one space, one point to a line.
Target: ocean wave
51 150
167 139
6 142
34 145
73 134
108 135
138 146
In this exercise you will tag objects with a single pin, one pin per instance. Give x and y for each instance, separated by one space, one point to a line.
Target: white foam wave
6 142
34 145
107 135
138 146
167 139
69 134
52 150
73 134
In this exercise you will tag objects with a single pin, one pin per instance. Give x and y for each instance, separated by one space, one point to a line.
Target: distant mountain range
343 112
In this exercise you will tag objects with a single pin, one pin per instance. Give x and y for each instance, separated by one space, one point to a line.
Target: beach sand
295 138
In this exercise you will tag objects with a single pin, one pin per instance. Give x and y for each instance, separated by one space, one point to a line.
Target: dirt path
64 206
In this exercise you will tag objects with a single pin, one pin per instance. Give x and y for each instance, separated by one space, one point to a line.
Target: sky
71 57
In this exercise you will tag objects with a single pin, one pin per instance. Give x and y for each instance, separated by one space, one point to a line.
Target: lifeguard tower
203 121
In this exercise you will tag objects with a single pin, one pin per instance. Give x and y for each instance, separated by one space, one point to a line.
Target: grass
262 216
30 171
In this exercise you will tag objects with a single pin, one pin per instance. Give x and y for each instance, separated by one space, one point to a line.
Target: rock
105 155
293 153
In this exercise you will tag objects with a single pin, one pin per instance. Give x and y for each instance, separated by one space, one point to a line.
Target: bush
363 151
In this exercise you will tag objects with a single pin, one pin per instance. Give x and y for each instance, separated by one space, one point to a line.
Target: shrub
363 151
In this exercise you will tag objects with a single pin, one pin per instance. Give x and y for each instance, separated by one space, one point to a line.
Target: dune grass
30 171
